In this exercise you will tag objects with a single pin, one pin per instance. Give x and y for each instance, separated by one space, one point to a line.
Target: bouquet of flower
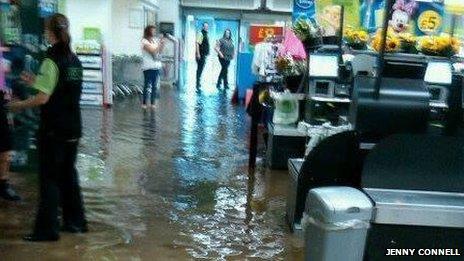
408 43
287 66
443 45
309 33
292 71
393 43
356 39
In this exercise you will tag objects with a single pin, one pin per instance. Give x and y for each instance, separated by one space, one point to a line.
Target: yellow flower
356 38
393 43
443 45
363 36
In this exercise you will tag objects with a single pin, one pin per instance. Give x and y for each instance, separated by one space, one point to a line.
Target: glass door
212 69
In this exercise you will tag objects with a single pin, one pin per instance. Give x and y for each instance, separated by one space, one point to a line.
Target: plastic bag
320 132
306 221
286 108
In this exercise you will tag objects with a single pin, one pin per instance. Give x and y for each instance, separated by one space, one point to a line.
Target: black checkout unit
415 174
328 101
418 95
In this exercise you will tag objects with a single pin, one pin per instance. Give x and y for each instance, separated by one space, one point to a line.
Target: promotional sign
429 18
371 14
304 9
92 33
259 33
328 13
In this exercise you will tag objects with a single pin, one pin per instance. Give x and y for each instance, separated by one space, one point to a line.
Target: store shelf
89 54
333 100
367 146
92 88
440 105
92 68
91 99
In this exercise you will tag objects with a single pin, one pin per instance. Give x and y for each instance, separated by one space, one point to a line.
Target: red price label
259 33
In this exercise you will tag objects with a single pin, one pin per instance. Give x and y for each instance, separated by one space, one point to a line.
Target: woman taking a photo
59 86
151 49
226 52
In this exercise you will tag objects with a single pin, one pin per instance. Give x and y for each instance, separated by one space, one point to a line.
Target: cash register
329 87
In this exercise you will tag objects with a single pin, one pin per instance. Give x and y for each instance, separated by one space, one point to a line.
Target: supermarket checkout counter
413 175
430 105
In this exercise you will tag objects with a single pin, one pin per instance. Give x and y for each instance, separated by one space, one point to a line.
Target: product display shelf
93 83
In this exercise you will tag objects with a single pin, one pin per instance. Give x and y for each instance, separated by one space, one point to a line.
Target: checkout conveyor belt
416 162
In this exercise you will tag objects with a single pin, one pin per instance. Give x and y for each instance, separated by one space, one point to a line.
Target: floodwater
166 185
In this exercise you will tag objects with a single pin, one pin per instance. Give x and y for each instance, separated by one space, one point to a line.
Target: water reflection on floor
166 185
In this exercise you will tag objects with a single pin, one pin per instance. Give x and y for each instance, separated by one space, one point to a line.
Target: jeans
201 66
59 184
151 80
224 75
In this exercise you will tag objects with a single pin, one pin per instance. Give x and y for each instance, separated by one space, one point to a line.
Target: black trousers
201 66
5 132
224 75
59 185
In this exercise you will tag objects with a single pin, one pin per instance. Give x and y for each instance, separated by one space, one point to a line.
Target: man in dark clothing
202 51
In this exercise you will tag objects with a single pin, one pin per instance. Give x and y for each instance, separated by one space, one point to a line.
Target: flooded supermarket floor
166 185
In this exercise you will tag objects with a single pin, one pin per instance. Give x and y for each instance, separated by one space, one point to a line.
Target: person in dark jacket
202 51
59 86
226 51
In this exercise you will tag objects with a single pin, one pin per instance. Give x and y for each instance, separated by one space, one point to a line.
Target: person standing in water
59 86
226 52
6 191
202 51
151 49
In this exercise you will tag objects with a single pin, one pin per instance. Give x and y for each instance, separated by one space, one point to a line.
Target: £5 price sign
259 33
429 18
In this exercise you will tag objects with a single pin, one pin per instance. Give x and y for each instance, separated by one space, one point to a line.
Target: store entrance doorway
212 67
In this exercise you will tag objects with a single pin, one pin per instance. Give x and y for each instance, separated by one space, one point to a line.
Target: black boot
7 192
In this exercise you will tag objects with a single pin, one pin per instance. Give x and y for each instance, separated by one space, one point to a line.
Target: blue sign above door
304 9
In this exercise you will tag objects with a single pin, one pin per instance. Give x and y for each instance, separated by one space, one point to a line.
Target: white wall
89 13
126 40
170 12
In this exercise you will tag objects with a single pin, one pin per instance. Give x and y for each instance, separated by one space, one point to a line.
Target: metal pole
453 25
383 43
340 38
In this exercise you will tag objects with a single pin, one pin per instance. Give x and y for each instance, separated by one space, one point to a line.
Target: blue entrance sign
304 9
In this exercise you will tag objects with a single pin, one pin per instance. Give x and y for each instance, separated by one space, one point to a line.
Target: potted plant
309 33
356 39
443 45
292 71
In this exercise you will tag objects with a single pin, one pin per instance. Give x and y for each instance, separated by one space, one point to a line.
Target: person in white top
151 49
